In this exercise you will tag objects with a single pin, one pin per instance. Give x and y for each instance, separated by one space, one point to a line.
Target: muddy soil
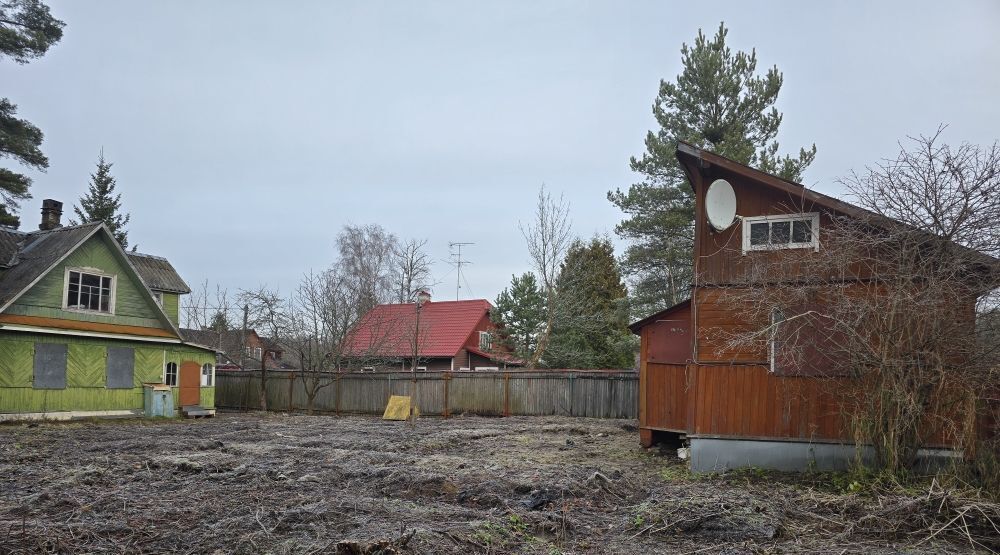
244 483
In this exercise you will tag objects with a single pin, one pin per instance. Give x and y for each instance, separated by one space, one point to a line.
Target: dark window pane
73 298
106 283
104 304
92 280
802 231
781 232
758 233
74 278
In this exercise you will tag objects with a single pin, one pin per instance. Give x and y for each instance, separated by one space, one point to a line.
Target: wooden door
190 383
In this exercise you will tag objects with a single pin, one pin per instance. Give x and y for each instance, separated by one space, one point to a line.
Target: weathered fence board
514 393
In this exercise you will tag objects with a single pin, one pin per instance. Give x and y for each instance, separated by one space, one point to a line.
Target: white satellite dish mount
720 205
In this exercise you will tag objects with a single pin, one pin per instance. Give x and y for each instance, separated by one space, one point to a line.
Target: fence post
291 386
338 384
447 378
571 382
506 394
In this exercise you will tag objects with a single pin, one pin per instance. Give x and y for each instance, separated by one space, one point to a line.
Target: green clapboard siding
171 305
23 399
133 305
16 359
85 365
148 366
86 373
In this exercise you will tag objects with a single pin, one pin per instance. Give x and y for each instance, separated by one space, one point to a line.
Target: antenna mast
457 262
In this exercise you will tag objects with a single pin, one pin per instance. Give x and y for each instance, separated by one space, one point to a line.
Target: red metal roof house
442 335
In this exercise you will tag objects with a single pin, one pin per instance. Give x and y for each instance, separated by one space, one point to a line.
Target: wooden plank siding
666 391
133 306
748 401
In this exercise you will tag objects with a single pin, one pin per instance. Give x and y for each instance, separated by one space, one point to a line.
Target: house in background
229 344
445 336
83 325
741 406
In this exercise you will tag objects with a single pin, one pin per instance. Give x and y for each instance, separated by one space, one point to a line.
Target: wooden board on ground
398 408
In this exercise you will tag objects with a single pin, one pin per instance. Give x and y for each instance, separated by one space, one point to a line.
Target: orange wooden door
190 383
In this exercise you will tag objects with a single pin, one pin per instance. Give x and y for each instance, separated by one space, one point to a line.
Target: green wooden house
85 325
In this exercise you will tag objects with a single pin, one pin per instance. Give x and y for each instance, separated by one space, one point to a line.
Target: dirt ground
244 483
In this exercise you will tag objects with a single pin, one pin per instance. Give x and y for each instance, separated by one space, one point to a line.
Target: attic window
485 341
788 231
89 291
158 296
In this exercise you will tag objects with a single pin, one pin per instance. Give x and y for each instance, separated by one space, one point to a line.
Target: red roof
389 329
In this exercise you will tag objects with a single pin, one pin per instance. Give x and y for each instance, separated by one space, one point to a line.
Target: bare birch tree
413 269
898 306
367 260
548 237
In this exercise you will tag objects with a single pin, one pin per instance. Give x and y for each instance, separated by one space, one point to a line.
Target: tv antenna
457 262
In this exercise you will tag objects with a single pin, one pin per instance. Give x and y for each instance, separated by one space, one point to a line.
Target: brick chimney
51 214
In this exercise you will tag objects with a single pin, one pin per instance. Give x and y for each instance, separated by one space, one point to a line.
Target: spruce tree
27 31
520 312
720 103
591 324
101 204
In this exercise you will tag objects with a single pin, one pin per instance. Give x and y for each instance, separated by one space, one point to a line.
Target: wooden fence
594 394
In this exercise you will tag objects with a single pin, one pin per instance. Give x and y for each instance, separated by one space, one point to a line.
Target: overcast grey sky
245 134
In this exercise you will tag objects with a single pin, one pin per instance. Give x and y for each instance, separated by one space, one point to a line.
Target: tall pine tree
720 103
27 30
101 204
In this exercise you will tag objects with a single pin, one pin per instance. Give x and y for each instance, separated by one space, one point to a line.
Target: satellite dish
720 204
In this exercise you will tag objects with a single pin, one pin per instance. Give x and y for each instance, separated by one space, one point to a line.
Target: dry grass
302 484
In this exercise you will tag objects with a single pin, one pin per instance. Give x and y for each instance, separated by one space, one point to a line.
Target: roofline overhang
636 327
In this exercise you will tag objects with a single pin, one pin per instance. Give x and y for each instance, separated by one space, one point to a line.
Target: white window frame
158 297
177 373
211 375
421 368
93 272
489 341
487 368
812 216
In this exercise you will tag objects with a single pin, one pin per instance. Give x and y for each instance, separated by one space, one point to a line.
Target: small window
421 368
207 375
170 374
485 341
792 231
777 317
91 292
487 368
158 297
257 353
368 369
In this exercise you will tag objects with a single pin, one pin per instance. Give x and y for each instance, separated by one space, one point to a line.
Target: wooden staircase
196 411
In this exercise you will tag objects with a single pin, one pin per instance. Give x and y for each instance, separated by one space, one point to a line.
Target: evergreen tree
101 204
219 322
591 325
720 103
520 312
27 30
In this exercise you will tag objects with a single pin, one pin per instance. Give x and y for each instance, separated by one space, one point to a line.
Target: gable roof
157 273
694 159
37 252
388 330
33 254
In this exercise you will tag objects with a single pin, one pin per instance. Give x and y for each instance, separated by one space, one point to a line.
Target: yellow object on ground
398 408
